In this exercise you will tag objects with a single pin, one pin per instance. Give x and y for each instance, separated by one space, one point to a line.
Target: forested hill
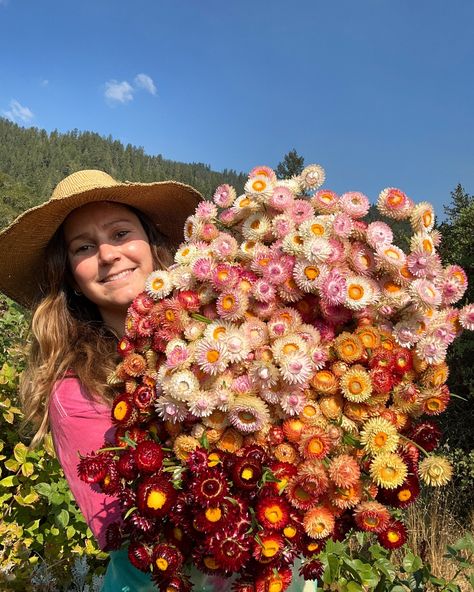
33 161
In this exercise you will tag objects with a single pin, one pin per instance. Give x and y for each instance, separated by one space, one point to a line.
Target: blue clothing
121 576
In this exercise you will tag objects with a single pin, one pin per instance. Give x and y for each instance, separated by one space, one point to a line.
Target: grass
435 521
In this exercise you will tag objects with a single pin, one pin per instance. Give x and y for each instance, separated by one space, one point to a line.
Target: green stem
420 448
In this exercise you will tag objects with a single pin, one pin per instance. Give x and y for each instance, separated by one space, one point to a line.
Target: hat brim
23 243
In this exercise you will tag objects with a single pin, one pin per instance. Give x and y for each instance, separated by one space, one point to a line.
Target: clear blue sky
380 92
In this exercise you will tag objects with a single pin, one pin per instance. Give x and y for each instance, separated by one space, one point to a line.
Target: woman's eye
122 233
82 249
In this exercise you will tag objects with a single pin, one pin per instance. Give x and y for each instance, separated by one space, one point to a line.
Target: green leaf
9 481
57 499
20 451
412 563
43 489
28 469
12 465
62 518
70 532
354 587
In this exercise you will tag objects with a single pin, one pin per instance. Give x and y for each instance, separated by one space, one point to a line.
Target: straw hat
23 243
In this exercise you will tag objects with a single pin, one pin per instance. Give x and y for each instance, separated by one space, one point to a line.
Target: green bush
39 520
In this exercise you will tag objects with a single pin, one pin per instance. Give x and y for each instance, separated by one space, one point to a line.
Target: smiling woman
109 256
92 247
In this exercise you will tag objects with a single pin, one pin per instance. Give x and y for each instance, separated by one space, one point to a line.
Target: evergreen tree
291 165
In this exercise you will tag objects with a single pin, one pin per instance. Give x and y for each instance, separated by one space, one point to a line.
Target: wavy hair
67 333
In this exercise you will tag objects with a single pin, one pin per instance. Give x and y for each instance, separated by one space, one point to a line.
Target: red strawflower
111 482
268 547
126 465
155 497
177 583
402 361
213 518
143 303
148 456
230 548
402 496
381 358
124 411
246 473
273 579
255 452
143 397
125 346
309 546
273 512
113 536
243 585
275 436
283 472
394 536
93 467
382 379
133 433
312 570
189 300
141 522
426 434
209 488
166 560
205 561
139 556
159 342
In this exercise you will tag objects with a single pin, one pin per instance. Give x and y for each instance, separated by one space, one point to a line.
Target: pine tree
291 165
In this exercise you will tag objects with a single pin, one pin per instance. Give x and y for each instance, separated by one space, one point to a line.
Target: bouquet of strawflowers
280 382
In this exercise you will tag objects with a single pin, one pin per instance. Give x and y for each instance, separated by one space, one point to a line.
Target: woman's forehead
98 213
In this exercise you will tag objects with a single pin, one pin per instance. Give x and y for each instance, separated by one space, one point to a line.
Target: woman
80 260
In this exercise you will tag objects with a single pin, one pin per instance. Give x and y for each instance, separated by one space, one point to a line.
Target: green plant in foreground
373 569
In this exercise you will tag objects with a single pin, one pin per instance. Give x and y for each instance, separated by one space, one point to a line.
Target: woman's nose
108 253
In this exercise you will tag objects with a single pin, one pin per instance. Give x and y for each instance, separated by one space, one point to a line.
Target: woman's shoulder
69 398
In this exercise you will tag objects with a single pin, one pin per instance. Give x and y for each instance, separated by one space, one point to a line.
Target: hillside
33 161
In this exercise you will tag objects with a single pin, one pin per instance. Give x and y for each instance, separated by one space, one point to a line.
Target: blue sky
380 92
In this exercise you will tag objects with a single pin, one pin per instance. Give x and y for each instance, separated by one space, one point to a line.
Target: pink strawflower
281 199
263 291
362 259
378 233
451 291
278 270
300 210
224 246
230 216
431 350
342 225
355 204
466 317
263 170
393 203
232 305
282 225
206 210
422 264
406 333
425 294
203 268
292 402
333 290
224 196
325 201
337 251
264 310
224 276
296 368
318 356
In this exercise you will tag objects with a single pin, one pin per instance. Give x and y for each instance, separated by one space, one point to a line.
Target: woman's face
110 257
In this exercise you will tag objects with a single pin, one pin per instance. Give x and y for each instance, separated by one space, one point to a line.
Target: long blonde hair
67 334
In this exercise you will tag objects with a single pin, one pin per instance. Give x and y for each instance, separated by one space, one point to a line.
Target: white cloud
18 112
146 82
118 92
